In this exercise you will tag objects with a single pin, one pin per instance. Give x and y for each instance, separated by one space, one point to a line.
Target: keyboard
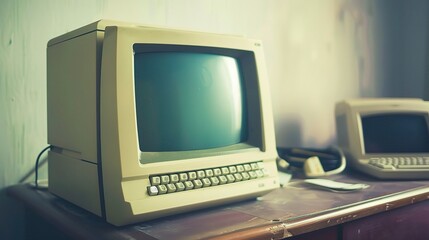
400 163
184 181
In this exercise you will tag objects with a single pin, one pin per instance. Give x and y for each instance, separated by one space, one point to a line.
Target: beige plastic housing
95 161
348 114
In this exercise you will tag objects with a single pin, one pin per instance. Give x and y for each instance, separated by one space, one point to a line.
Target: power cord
314 162
36 168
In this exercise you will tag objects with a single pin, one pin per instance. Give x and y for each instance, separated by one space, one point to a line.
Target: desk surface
292 210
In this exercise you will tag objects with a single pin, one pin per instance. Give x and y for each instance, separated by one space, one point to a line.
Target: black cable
36 168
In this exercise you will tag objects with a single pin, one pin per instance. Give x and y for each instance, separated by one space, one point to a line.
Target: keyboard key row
206 173
400 162
204 182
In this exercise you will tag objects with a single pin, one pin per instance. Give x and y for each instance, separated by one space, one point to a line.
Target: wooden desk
385 210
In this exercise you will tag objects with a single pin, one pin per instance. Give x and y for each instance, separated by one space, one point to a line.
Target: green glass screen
188 101
396 133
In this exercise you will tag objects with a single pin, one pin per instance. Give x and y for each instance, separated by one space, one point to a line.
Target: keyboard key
162 189
189 185
247 167
171 187
183 177
155 180
259 173
152 190
214 180
209 173
198 183
223 179
180 186
192 175
217 172
254 166
253 175
225 170
165 179
206 182
201 174
230 178
245 175
232 169
174 178
240 168
238 177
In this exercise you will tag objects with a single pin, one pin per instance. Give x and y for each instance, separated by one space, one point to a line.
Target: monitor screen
188 101
395 133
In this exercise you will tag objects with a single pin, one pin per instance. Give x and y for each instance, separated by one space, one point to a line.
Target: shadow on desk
11 217
385 210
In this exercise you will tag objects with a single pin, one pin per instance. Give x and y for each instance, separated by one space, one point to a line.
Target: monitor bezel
361 108
119 138
249 84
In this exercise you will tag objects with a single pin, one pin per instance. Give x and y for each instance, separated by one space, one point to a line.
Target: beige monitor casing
348 114
95 161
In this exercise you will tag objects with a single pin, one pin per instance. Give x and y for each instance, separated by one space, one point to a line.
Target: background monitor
383 128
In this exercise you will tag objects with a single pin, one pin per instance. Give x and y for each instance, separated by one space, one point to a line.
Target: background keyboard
398 163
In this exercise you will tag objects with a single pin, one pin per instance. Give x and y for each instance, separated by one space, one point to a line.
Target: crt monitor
389 131
146 122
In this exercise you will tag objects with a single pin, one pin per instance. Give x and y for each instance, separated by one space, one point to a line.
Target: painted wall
317 52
